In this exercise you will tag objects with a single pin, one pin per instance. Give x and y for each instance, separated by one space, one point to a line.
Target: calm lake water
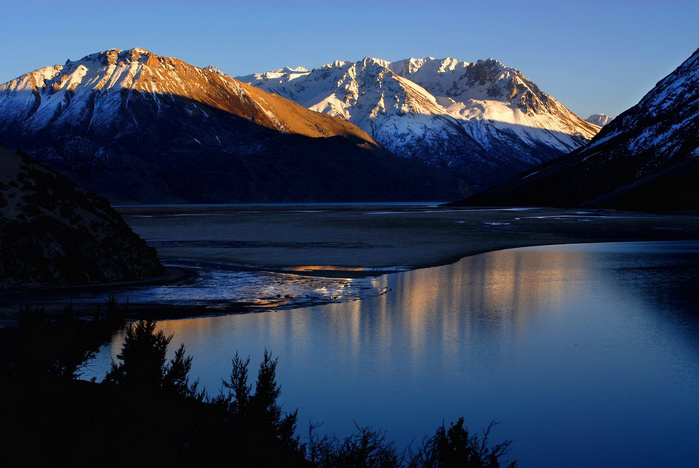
586 355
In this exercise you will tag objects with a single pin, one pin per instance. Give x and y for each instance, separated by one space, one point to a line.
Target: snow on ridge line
482 111
440 83
474 115
91 92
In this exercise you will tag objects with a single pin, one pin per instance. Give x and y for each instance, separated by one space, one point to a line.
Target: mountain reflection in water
587 355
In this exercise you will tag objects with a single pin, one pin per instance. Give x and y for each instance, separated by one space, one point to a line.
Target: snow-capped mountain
646 158
136 126
89 91
599 119
483 120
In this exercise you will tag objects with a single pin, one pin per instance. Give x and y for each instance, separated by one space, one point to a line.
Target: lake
586 355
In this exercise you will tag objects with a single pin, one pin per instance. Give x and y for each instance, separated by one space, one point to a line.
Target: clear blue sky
594 56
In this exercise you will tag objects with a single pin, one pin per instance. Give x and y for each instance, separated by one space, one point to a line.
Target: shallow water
218 287
587 355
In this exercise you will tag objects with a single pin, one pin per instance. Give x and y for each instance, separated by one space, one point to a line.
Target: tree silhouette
176 378
143 363
264 402
264 435
238 389
455 447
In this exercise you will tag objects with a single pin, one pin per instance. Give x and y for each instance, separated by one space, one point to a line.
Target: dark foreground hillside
54 233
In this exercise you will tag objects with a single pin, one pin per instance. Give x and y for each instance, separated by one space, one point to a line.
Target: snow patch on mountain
90 93
644 159
599 119
443 111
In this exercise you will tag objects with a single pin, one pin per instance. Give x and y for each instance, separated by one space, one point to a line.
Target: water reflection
556 343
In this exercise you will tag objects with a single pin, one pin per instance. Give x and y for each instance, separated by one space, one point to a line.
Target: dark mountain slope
646 158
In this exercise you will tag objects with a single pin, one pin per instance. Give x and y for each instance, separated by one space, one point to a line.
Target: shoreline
163 312
361 242
170 276
356 243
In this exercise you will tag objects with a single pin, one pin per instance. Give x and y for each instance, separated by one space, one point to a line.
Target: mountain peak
289 70
336 64
135 115
216 70
645 158
453 113
599 119
492 63
375 61
112 55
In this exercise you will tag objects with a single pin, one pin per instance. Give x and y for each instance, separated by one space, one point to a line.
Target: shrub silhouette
455 447
143 363
365 448
44 347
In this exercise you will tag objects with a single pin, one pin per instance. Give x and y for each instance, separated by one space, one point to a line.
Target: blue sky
594 56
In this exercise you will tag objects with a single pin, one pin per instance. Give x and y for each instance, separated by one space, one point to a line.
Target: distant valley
599 119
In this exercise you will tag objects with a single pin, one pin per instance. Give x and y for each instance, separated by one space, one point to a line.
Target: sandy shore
311 239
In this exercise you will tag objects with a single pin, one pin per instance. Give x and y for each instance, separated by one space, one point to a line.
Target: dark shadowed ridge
139 128
54 233
645 159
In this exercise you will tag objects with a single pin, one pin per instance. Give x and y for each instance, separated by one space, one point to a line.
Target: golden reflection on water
322 268
500 288
439 308
534 338
193 328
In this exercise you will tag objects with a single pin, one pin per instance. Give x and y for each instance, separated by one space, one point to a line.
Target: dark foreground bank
147 411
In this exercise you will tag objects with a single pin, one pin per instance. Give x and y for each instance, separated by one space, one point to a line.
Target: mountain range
647 158
482 120
138 127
